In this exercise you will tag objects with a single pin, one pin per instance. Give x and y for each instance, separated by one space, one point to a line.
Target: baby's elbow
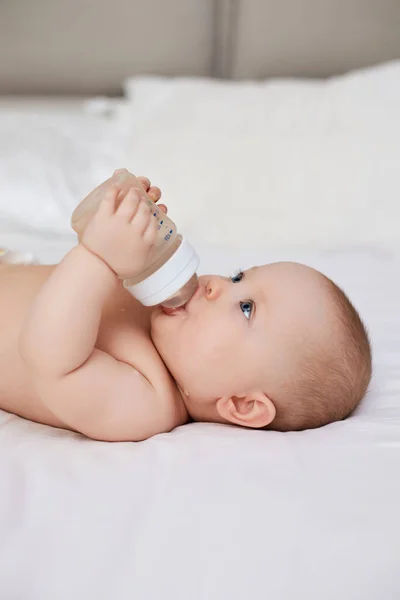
131 428
112 435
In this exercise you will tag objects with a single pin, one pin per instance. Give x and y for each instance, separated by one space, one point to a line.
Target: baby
278 346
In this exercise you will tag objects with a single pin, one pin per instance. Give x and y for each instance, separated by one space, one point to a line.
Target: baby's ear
252 410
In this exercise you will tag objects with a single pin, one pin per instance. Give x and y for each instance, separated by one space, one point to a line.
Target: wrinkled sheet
211 512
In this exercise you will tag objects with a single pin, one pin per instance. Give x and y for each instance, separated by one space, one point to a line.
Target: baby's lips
171 311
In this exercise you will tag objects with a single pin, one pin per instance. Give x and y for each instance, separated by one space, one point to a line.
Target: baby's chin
164 324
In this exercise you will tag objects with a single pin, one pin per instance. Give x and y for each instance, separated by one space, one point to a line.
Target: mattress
206 511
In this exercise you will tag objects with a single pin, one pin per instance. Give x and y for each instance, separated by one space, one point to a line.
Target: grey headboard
90 46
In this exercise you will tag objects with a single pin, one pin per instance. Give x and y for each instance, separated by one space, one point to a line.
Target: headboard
90 46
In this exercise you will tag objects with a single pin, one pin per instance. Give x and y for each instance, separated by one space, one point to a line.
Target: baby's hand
153 192
122 237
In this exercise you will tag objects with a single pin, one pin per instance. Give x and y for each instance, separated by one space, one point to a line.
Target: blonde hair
333 378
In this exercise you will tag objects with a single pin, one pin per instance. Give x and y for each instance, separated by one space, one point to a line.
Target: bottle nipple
182 296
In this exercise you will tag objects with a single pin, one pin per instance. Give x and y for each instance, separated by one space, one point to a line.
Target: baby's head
278 346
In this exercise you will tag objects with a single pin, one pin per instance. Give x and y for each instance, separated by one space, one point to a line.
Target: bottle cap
168 279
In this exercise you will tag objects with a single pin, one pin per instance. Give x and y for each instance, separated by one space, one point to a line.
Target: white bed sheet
206 512
212 512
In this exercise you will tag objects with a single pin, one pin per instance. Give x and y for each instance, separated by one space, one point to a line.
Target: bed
253 172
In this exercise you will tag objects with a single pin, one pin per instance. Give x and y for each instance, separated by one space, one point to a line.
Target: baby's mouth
180 309
172 311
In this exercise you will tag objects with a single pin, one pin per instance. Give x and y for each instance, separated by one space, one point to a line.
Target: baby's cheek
218 346
206 340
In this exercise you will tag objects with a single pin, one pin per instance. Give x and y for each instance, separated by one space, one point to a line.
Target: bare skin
117 384
78 351
124 330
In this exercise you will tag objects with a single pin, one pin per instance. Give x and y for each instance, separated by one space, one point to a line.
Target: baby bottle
169 278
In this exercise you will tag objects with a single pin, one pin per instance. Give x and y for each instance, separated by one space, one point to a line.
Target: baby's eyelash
237 276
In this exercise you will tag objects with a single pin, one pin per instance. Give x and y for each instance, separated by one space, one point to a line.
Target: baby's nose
214 288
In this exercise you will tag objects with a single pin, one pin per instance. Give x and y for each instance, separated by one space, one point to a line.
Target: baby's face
243 334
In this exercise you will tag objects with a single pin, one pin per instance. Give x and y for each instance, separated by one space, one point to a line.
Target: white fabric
216 512
283 162
50 156
210 511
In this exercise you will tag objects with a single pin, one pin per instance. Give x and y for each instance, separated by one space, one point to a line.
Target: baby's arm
86 388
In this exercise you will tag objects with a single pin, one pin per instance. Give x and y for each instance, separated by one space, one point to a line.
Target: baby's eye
247 308
237 277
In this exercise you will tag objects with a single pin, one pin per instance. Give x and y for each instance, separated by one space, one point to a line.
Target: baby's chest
126 337
124 325
124 333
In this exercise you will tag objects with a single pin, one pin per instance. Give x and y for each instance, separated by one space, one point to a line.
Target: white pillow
49 159
280 162
298 162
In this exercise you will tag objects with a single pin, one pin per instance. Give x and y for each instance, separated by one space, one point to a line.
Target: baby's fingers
150 232
141 219
107 205
154 192
145 183
129 205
